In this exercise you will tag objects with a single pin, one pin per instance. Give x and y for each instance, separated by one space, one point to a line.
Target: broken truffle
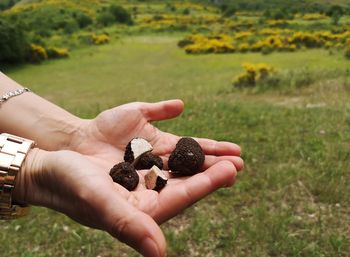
155 179
147 160
187 159
125 174
136 148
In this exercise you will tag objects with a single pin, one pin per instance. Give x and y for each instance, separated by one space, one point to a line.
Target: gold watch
13 151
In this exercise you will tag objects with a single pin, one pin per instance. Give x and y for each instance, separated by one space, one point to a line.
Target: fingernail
149 248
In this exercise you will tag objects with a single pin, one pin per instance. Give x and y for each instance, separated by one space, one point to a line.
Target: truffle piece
155 179
147 160
125 174
136 147
187 159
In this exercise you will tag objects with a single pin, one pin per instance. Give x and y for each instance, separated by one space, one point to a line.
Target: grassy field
291 200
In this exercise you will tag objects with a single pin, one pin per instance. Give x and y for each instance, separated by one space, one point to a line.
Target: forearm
31 116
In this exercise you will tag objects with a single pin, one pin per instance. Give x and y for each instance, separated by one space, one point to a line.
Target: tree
83 20
121 15
13 42
114 14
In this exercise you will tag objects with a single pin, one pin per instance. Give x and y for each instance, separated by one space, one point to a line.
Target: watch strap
13 151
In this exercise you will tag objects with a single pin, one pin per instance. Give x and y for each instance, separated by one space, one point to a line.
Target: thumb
135 228
162 110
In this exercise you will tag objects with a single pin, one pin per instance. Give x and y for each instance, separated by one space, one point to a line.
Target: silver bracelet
10 94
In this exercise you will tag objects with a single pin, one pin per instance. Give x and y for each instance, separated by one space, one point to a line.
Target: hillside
271 4
71 24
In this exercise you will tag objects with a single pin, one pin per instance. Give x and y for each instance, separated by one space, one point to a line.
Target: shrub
253 74
347 52
186 11
13 42
114 14
171 7
282 15
121 15
200 44
335 18
100 39
335 10
54 52
266 50
244 47
313 16
184 42
83 20
37 54
229 11
70 27
105 18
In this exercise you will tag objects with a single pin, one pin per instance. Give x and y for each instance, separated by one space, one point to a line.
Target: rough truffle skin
160 184
187 159
128 155
147 161
125 174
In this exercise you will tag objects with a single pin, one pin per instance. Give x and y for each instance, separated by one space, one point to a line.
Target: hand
104 138
70 183
79 185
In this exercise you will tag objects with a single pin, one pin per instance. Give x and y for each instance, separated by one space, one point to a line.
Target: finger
174 198
210 160
162 110
218 148
131 226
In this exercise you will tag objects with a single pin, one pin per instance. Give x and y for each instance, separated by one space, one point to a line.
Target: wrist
60 133
26 189
50 126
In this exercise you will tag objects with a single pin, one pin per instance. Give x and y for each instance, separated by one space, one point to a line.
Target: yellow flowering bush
307 39
243 47
159 22
265 41
274 23
100 39
314 16
55 52
87 6
243 35
37 53
253 74
199 44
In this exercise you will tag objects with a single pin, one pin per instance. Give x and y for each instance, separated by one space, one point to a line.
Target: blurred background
272 76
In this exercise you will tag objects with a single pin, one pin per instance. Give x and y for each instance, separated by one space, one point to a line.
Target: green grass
292 199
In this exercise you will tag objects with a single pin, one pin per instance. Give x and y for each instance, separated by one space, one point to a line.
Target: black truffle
187 159
136 148
155 179
147 161
125 174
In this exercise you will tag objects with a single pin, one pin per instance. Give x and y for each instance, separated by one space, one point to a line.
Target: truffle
155 179
147 160
187 159
136 147
125 174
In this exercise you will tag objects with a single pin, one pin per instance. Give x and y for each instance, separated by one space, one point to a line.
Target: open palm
103 143
70 183
104 138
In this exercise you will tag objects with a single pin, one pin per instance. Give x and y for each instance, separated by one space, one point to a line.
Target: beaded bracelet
10 94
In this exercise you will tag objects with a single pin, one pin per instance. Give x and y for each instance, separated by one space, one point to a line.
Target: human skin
79 154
